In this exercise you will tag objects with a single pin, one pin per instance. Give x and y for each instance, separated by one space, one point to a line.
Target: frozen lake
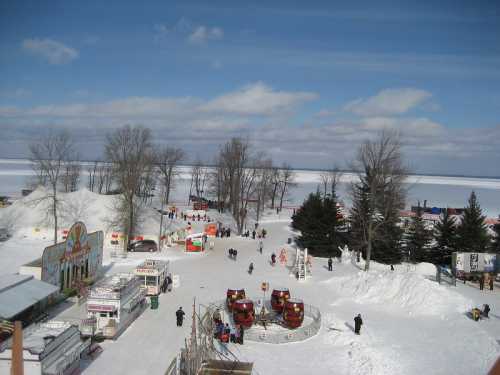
439 191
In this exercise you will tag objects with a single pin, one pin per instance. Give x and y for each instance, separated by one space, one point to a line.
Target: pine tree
472 233
445 236
319 224
418 238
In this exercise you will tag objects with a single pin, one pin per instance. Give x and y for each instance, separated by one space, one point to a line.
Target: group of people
233 253
194 217
477 313
223 232
225 333
482 280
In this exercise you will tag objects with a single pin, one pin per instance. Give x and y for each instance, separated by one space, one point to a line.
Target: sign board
474 262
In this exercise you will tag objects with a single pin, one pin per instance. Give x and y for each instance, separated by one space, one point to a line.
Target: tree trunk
54 208
369 246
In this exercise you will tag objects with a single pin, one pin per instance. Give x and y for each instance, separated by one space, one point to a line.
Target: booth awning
20 292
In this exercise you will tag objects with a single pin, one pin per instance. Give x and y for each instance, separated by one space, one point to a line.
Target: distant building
50 348
114 303
76 259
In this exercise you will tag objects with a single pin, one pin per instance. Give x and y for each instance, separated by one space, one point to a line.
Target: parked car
144 245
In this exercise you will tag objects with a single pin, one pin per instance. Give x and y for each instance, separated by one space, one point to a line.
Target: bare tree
275 184
330 180
379 193
92 171
167 160
49 158
263 184
287 181
71 176
129 150
218 185
199 178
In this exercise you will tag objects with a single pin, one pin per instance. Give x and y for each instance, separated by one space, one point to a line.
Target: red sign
101 308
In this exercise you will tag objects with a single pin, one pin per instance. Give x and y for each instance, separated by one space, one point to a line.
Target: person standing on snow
491 282
261 246
481 282
250 268
273 259
180 316
486 310
253 235
358 322
330 264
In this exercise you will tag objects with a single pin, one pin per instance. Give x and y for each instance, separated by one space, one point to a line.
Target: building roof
19 292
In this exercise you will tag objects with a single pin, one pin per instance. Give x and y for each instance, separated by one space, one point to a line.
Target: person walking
330 264
358 322
250 268
273 259
392 267
481 282
491 282
261 246
253 234
180 316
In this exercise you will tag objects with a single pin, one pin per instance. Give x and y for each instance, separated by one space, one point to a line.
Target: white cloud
388 102
203 34
257 99
419 127
52 51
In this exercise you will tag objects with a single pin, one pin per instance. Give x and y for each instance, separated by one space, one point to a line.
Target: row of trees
241 180
448 235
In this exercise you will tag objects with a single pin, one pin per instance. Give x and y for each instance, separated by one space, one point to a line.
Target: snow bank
425 269
407 290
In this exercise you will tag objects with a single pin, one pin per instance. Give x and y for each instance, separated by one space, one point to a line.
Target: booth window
151 280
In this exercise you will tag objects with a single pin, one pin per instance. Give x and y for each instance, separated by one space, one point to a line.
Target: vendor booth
195 242
153 275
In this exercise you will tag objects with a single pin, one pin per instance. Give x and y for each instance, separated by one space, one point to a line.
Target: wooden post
17 350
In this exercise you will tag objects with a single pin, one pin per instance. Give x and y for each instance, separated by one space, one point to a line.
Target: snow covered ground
412 325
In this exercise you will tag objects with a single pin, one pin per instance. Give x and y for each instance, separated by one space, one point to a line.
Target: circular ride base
275 333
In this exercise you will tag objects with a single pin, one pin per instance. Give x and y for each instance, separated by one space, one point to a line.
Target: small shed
22 297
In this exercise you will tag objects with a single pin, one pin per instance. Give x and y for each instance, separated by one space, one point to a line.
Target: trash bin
154 302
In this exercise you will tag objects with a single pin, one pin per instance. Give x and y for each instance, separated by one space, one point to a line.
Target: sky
305 82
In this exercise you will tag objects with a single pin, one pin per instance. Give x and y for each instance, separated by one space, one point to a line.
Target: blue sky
306 81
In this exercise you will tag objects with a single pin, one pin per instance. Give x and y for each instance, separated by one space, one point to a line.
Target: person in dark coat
358 322
253 235
261 246
481 282
486 310
169 283
330 264
392 267
491 282
250 268
264 232
228 232
273 259
180 316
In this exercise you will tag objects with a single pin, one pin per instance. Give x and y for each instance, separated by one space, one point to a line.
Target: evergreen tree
495 241
472 233
386 245
445 236
418 238
320 225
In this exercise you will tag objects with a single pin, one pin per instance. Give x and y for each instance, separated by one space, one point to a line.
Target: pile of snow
408 290
425 269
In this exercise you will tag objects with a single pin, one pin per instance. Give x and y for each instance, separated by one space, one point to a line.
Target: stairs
301 268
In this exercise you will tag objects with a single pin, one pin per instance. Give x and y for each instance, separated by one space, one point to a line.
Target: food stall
293 313
153 275
195 242
115 302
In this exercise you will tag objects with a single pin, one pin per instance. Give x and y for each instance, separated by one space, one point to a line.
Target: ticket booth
278 299
233 295
243 312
